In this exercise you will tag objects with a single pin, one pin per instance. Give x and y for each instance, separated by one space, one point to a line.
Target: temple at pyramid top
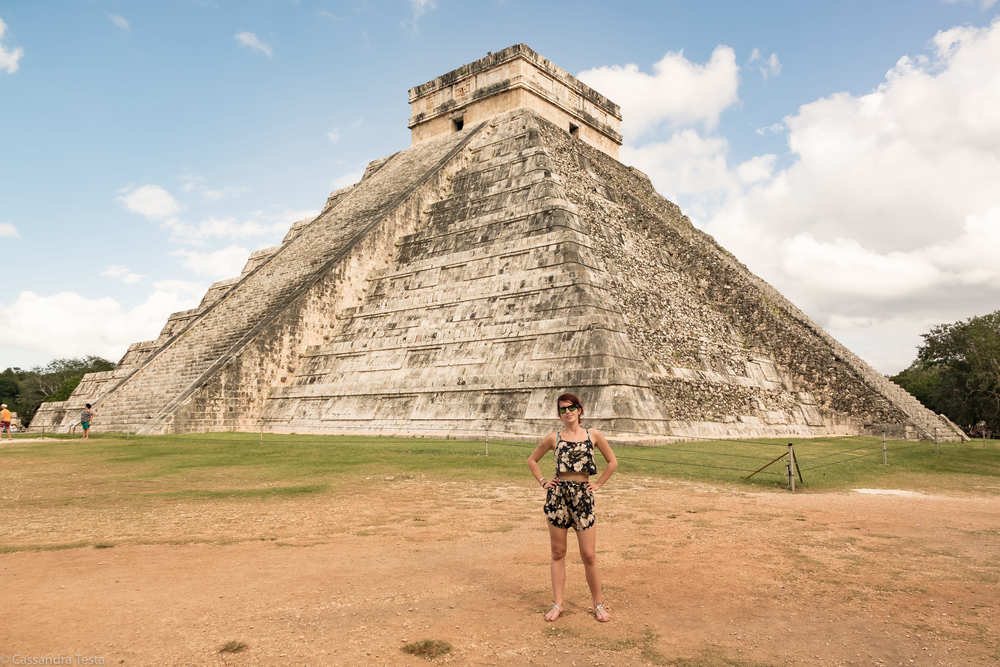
514 78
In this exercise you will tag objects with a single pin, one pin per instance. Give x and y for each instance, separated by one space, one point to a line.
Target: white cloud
291 215
182 287
348 178
268 227
898 168
421 7
418 8
845 266
155 203
689 169
867 335
151 201
687 163
983 4
333 135
969 258
768 67
9 60
69 324
250 40
889 214
122 273
217 264
773 128
885 216
759 168
219 228
193 183
119 21
678 92
8 230
772 68
218 194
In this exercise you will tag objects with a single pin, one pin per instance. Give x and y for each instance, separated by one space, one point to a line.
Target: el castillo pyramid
505 257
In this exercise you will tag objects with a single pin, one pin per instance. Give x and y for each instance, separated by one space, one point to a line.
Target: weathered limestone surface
467 281
729 354
514 78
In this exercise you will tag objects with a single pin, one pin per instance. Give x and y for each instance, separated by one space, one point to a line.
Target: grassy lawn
241 465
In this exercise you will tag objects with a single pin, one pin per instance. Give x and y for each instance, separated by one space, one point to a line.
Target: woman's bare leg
557 567
587 539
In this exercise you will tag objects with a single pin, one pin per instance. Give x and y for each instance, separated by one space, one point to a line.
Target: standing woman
569 500
86 415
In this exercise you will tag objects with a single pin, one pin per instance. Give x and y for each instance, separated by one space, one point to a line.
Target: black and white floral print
575 456
570 504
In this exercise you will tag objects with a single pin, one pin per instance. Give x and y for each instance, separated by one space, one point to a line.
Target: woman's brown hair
572 399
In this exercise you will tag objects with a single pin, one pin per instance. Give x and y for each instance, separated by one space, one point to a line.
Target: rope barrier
860 456
664 447
683 463
843 451
833 463
692 451
411 445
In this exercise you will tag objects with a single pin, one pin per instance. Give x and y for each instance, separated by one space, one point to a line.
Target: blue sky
839 149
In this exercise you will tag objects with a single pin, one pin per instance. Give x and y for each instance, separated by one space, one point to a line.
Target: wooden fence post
791 468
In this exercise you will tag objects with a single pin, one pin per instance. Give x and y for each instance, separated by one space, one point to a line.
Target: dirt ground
694 574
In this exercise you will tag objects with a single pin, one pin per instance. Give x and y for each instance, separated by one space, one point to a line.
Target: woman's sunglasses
563 409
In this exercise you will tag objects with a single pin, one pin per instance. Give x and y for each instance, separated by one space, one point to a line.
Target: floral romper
572 503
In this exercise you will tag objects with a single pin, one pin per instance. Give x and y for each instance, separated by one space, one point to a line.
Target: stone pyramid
463 283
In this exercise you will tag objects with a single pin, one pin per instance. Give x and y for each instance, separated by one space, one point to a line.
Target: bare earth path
694 574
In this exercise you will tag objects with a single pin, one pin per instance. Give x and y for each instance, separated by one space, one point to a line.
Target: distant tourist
5 421
569 499
86 415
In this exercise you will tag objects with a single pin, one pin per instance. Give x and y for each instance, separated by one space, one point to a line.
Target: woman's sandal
601 614
555 608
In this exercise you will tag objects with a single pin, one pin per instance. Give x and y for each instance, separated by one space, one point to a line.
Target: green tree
957 371
53 382
10 388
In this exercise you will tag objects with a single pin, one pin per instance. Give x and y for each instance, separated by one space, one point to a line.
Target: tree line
24 390
957 373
